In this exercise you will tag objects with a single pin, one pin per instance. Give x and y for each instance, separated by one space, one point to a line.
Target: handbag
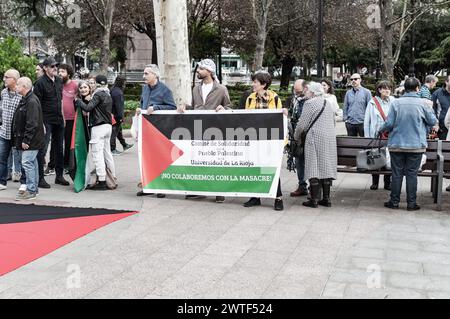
371 159
299 147
384 135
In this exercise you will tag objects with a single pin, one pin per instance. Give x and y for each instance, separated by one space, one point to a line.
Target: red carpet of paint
28 232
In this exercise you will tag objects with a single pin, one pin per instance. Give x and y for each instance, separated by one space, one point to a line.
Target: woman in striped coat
320 144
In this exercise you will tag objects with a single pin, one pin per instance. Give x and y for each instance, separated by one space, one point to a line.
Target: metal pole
219 16
29 39
412 69
320 40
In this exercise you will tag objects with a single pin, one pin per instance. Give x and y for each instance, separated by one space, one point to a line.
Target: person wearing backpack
376 114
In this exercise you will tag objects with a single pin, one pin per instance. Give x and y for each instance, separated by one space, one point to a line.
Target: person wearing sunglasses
355 103
49 90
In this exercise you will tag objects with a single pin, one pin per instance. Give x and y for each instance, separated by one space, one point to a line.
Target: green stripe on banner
81 152
215 179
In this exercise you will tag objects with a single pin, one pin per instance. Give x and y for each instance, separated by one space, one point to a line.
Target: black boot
387 182
326 187
314 188
375 181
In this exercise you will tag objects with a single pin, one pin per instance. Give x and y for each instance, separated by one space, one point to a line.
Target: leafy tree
11 56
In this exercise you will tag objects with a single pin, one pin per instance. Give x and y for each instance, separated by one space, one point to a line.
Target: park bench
436 167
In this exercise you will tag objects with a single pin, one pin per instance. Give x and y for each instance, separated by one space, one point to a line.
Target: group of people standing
34 115
42 115
406 122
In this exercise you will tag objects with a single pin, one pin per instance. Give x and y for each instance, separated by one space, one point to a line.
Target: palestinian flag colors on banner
29 232
79 151
228 153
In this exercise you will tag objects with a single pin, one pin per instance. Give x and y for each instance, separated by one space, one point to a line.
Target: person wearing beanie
100 123
208 95
49 90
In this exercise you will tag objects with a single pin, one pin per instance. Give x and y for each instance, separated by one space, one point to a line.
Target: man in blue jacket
408 123
156 95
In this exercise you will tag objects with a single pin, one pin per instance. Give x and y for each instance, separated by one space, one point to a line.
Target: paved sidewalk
177 248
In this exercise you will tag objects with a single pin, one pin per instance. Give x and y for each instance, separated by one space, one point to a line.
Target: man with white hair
10 100
208 95
156 95
28 136
430 83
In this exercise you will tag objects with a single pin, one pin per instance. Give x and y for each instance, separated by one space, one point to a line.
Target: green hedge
133 94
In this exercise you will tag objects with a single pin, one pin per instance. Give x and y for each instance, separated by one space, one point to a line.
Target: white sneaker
16 176
23 187
3 187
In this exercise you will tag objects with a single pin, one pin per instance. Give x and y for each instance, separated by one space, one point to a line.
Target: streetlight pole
320 40
219 17
412 69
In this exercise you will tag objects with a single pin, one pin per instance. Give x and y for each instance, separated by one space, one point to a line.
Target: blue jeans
56 132
5 150
404 164
31 168
300 166
14 161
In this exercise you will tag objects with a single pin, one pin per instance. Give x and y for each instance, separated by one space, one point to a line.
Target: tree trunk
260 45
386 11
173 47
104 52
288 64
107 24
154 52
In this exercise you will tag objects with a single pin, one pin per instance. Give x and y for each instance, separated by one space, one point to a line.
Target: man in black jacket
100 119
28 136
118 110
48 88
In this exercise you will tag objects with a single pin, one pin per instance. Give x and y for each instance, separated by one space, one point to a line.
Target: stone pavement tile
330 241
211 260
421 237
436 270
363 292
366 252
408 281
244 233
384 266
438 294
190 282
313 256
334 290
280 241
264 260
356 276
304 283
437 248
42 264
179 252
260 218
27 277
93 275
123 288
393 244
298 218
329 227
417 256
400 227
242 282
